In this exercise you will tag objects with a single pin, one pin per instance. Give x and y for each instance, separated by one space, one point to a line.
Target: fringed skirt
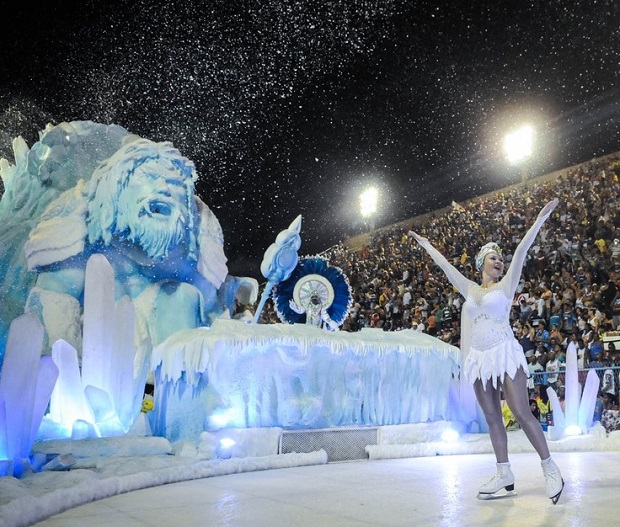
494 363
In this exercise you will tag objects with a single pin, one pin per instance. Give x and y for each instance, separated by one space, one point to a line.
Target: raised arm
511 278
452 273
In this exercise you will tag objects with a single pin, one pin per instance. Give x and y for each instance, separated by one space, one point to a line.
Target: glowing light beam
518 145
368 202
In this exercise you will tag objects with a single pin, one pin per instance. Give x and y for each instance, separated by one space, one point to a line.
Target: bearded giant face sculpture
144 195
156 218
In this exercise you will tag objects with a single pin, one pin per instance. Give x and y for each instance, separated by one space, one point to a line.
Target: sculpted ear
105 222
101 208
211 257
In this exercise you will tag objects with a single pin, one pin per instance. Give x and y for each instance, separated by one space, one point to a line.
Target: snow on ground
112 466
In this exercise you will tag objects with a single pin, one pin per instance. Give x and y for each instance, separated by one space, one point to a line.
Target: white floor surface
424 491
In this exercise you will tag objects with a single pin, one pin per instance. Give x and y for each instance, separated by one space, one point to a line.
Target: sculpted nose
161 187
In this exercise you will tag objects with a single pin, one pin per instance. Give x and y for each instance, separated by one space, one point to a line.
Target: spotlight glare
220 419
572 430
449 436
518 144
227 442
368 202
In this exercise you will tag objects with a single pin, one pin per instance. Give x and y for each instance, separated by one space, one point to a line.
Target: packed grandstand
570 285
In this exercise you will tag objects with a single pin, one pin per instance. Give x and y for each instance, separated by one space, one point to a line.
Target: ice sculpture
26 382
236 375
92 200
279 260
138 208
63 155
576 418
103 397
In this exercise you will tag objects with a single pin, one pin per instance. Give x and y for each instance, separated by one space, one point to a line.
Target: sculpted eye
159 207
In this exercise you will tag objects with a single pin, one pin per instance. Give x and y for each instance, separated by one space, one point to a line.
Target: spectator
407 297
525 311
611 348
555 334
560 356
615 310
610 418
594 364
544 406
608 293
581 352
534 370
599 406
534 409
615 251
595 318
555 320
568 317
587 335
608 385
552 368
510 421
542 335
525 336
538 313
596 348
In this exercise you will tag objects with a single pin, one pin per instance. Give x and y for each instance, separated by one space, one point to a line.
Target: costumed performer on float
494 359
317 290
316 312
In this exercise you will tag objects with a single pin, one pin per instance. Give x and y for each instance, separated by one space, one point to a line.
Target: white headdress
484 250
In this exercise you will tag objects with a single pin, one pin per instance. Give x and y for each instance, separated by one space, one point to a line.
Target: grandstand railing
542 377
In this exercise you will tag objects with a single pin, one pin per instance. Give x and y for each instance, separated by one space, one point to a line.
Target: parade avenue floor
423 491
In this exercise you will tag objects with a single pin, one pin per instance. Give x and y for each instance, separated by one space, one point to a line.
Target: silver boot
502 479
554 484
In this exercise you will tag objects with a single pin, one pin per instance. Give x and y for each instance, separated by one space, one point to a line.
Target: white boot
554 484
502 479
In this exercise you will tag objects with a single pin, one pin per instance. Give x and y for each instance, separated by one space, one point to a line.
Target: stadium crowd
570 285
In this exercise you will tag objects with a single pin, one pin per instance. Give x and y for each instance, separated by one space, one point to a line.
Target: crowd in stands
570 286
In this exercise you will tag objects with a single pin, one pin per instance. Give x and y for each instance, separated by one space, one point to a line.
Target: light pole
518 146
368 205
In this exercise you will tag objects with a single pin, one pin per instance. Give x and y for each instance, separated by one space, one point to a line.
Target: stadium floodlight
518 146
368 205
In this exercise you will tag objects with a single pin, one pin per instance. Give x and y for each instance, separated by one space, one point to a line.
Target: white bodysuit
489 348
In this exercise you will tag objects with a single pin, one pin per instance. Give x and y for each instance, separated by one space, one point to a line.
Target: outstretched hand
548 208
294 307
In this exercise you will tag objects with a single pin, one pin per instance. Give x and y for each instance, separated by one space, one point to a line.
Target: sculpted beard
158 236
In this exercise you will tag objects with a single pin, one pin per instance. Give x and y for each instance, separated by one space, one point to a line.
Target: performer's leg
515 391
489 401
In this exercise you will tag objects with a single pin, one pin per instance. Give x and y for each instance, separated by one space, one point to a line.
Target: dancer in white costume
494 359
316 313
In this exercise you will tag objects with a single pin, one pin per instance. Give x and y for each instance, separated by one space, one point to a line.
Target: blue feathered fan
314 276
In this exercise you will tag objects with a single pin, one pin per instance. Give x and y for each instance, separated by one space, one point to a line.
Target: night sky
294 107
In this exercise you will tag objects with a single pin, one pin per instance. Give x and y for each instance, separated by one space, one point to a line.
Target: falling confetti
294 107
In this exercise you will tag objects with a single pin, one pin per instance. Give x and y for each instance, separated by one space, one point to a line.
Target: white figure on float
165 246
313 295
317 290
